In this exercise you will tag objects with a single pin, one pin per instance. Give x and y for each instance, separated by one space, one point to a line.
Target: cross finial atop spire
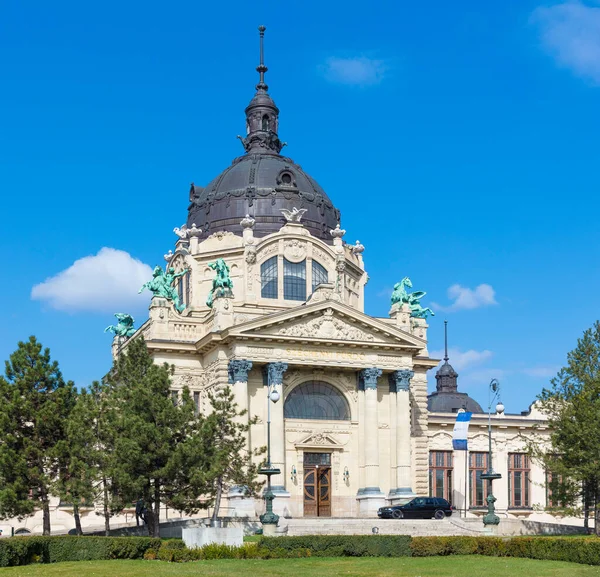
261 68
446 341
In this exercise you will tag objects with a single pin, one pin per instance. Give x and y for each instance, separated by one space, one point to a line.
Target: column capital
368 377
238 370
273 373
400 380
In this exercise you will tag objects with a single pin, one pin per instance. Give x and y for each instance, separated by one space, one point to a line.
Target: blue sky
460 142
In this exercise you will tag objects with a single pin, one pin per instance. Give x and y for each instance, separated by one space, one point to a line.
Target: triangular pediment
323 440
327 321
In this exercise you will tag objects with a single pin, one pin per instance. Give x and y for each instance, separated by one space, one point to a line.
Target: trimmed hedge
573 549
25 550
341 545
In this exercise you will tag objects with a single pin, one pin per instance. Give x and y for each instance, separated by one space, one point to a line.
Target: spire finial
446 341
261 68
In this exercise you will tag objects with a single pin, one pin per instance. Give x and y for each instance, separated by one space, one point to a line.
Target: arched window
268 278
294 280
183 289
319 274
316 400
265 122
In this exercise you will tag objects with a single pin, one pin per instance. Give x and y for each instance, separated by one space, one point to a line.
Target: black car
418 508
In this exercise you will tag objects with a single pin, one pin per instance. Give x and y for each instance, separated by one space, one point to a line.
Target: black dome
261 184
451 402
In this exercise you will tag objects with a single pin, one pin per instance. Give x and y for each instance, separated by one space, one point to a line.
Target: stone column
274 381
370 497
240 504
400 384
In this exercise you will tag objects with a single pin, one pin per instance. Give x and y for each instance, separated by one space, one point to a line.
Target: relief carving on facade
273 248
294 250
327 326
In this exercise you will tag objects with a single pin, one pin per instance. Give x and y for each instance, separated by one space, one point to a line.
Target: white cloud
463 359
541 372
355 71
570 32
106 282
466 298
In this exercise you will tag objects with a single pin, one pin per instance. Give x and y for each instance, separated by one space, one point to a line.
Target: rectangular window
196 402
478 464
440 474
518 480
268 278
294 280
175 396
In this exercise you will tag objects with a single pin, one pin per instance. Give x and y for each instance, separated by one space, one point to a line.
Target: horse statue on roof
161 285
124 326
401 297
222 285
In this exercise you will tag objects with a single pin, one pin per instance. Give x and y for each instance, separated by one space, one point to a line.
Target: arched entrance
317 400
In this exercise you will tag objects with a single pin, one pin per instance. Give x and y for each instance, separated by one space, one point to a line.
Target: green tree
572 406
230 461
87 454
35 403
159 446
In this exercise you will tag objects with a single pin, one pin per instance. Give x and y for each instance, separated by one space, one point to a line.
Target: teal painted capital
124 328
368 377
273 373
401 296
222 285
161 285
238 370
400 380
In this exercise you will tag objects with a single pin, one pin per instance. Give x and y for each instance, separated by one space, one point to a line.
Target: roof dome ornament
446 376
262 116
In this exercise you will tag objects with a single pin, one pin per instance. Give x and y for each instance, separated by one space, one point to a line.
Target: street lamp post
494 393
269 519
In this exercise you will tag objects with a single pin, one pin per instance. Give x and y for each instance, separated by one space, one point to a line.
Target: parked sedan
418 508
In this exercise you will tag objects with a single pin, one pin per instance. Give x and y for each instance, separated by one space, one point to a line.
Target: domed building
354 428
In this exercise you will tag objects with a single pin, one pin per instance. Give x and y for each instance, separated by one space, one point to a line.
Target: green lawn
471 566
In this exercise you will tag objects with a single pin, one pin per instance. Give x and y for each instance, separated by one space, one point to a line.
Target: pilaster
400 385
370 497
273 378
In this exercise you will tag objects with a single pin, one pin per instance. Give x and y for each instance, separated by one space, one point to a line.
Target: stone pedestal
369 502
269 530
223 313
201 536
401 314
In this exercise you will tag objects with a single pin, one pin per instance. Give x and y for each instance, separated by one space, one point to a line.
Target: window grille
268 278
294 280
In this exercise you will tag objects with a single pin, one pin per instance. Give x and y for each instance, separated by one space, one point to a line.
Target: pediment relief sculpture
319 440
327 326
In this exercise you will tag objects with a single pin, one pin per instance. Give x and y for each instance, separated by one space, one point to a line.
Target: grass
473 566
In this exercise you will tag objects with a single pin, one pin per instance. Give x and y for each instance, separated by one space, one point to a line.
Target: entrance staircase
346 526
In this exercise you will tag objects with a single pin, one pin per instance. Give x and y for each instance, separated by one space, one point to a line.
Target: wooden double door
317 484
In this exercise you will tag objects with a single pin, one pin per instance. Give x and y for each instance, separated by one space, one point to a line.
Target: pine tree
35 403
158 447
231 463
87 468
572 405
